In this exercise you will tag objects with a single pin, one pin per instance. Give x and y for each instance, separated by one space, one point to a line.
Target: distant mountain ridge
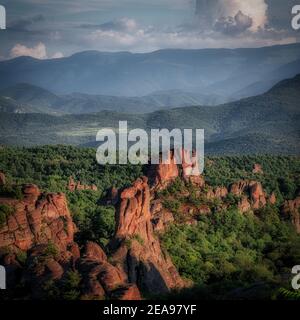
39 100
267 123
223 72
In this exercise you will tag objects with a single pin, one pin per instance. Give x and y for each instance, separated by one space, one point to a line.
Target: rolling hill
39 100
267 123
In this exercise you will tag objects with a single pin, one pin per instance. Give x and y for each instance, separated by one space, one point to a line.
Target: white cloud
144 39
38 51
210 12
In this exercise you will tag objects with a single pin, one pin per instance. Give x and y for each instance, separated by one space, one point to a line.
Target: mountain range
226 73
267 123
27 98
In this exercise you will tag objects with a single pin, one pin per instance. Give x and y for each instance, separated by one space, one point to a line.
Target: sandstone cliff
136 250
41 226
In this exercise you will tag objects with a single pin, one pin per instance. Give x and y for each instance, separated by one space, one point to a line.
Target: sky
47 29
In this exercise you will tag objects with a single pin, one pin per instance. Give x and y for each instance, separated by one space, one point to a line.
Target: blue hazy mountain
34 99
222 72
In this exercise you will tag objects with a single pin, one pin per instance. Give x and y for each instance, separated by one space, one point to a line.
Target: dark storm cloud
24 24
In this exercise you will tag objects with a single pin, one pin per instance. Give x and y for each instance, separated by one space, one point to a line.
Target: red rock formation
161 217
73 186
204 210
257 169
162 175
190 168
291 209
217 193
42 219
253 189
136 249
37 219
244 205
257 195
128 292
101 279
221 192
2 179
239 188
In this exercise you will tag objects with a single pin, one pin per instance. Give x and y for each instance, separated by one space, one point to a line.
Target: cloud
232 25
24 24
234 15
148 38
119 25
39 52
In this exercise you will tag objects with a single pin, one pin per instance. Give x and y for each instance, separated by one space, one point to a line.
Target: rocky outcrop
257 169
161 218
2 179
164 173
291 209
244 205
41 225
102 279
73 186
37 219
257 195
216 193
136 250
253 189
190 168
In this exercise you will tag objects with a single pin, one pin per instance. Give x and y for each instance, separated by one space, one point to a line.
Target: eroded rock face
244 205
100 278
190 169
37 219
291 209
41 226
136 250
217 193
73 186
257 169
160 217
161 175
253 189
257 195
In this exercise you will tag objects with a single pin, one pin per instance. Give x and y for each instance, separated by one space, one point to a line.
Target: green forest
223 251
